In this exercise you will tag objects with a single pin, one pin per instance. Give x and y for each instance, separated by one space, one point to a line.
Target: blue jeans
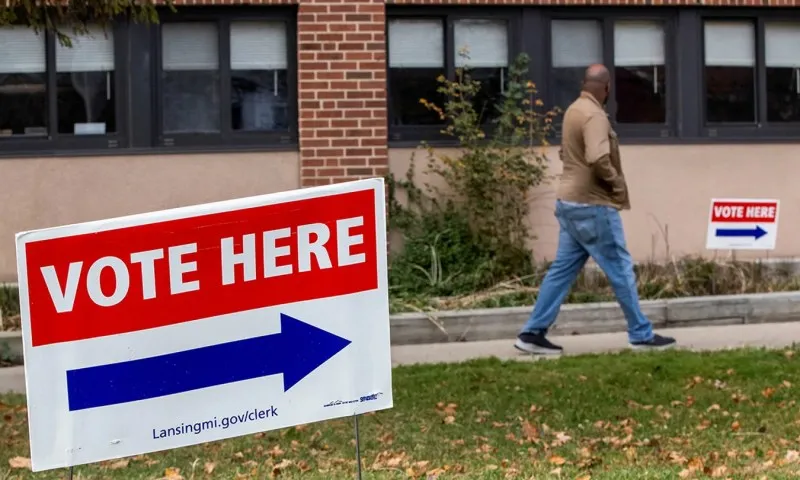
596 231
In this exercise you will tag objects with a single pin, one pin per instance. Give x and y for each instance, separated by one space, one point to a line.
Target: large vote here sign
184 326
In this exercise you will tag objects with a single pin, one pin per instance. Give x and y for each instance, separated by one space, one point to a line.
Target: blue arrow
756 233
295 352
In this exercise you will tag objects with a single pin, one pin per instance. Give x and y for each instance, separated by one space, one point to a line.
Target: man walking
591 193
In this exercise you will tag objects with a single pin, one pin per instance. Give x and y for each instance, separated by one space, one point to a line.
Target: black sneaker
537 344
656 343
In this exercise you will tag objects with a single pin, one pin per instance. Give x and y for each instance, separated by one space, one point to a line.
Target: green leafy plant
465 228
73 17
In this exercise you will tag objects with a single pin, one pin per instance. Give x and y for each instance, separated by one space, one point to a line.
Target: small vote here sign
742 224
183 326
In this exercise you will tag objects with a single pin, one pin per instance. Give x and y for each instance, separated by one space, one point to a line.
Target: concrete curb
504 323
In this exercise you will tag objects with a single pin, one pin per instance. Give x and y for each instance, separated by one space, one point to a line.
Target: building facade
223 99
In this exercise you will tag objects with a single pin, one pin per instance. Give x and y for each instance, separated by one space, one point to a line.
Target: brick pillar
341 90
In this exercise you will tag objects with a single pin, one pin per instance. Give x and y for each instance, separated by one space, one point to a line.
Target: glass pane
23 104
567 83
730 94
783 94
576 44
406 87
641 94
191 102
86 103
23 83
491 93
190 78
259 100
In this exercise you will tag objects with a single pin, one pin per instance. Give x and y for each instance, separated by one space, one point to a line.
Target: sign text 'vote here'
156 274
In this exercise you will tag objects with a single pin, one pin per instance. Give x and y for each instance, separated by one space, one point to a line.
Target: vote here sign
184 326
742 224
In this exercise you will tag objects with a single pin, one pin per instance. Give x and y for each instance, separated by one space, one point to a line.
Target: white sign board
179 327
742 224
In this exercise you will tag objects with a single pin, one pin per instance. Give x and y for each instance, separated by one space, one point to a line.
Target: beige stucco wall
47 192
671 188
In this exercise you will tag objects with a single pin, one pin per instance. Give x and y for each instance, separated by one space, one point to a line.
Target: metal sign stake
70 473
358 447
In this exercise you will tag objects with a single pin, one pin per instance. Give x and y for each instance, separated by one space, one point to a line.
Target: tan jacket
590 153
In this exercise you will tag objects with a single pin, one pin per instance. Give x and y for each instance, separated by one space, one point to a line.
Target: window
640 86
224 81
634 49
730 71
782 59
67 98
575 44
23 83
416 59
85 84
420 49
482 47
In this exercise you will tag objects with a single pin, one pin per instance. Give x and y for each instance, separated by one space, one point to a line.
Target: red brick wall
342 90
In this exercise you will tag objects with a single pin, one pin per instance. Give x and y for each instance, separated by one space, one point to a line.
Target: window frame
62 143
412 135
761 128
227 137
607 17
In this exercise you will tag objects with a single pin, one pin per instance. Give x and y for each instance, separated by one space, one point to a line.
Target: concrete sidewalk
772 335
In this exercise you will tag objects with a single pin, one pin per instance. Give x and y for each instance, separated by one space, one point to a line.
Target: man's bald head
597 81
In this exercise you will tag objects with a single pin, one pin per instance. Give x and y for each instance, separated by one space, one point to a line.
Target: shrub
472 232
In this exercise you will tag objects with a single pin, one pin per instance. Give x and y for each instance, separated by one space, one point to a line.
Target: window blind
258 46
416 43
576 43
782 44
638 44
21 50
729 44
189 46
484 41
90 52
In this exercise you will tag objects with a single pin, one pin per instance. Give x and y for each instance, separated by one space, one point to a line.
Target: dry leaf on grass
557 460
172 473
209 467
20 462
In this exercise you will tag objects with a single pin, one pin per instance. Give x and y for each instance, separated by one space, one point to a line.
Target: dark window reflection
730 94
491 93
191 101
23 104
783 94
86 103
641 94
406 87
259 100
567 83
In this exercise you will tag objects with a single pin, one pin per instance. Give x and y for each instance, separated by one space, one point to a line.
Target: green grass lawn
628 416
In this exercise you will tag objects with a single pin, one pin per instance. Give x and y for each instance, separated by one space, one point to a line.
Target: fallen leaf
172 473
735 426
209 467
556 460
584 477
20 462
119 464
719 471
531 433
449 419
686 473
792 456
768 392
